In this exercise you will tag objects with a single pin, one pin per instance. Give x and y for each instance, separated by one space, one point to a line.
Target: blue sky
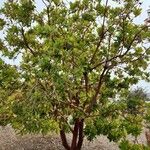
139 20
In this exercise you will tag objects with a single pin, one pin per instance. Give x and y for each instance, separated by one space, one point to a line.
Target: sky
139 20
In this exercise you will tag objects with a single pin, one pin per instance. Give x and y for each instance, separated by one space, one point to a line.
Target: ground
10 141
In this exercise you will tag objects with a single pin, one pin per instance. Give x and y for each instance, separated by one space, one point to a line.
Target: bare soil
10 141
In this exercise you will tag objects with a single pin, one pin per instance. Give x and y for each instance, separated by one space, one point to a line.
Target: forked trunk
77 138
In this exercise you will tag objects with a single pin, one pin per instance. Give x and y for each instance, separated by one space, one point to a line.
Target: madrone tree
78 58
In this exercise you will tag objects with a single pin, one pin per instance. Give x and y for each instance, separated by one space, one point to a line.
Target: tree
77 58
136 118
135 112
8 84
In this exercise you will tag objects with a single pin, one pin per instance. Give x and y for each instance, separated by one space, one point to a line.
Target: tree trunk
77 138
81 137
75 135
64 140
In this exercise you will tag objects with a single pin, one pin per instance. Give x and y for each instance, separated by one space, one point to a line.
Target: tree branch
120 55
94 98
26 42
101 34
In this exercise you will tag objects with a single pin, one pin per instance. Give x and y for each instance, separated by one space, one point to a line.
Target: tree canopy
79 59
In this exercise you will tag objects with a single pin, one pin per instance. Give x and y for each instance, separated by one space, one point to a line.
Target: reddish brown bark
64 140
75 135
81 137
77 138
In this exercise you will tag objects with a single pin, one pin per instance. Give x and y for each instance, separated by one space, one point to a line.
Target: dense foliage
79 60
